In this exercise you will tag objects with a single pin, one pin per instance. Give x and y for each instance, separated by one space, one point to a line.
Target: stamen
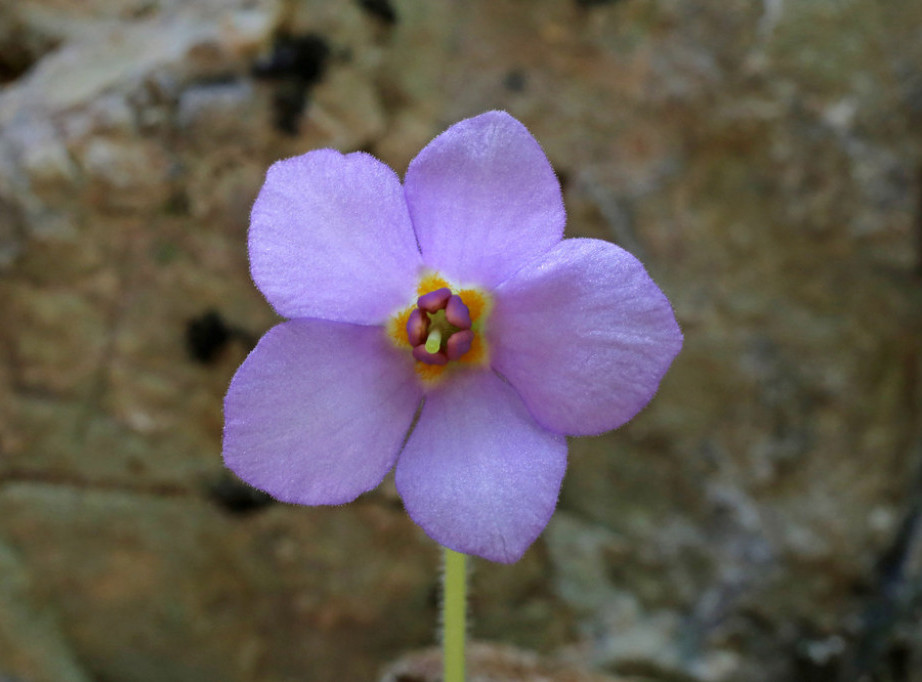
457 313
458 344
417 327
434 300
434 341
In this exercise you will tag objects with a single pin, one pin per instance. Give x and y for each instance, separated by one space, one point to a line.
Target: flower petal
584 335
478 474
484 200
318 411
330 237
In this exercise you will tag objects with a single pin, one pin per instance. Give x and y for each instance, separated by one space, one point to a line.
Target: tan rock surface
488 662
759 521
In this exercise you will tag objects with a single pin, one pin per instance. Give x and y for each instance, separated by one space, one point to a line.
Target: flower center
445 328
439 328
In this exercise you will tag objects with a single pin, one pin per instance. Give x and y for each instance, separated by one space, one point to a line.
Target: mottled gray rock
31 642
759 521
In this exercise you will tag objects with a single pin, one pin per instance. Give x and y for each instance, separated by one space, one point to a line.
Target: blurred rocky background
759 522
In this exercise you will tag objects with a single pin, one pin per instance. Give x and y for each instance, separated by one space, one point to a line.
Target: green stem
454 610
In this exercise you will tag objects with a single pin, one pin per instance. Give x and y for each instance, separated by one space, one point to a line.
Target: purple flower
456 290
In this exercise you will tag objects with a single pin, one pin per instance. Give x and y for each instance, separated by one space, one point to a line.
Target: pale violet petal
331 238
318 411
584 335
478 474
484 200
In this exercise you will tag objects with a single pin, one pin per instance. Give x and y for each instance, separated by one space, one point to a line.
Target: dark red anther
417 327
421 354
458 344
434 300
457 313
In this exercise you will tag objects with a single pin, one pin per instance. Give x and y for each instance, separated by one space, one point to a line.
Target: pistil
434 341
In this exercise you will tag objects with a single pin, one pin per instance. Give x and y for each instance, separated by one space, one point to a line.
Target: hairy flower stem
454 610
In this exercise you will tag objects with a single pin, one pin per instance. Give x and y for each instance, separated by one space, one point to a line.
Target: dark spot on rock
236 497
296 63
177 204
380 9
13 65
206 335
899 663
434 595
302 57
860 588
20 50
288 103
515 80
